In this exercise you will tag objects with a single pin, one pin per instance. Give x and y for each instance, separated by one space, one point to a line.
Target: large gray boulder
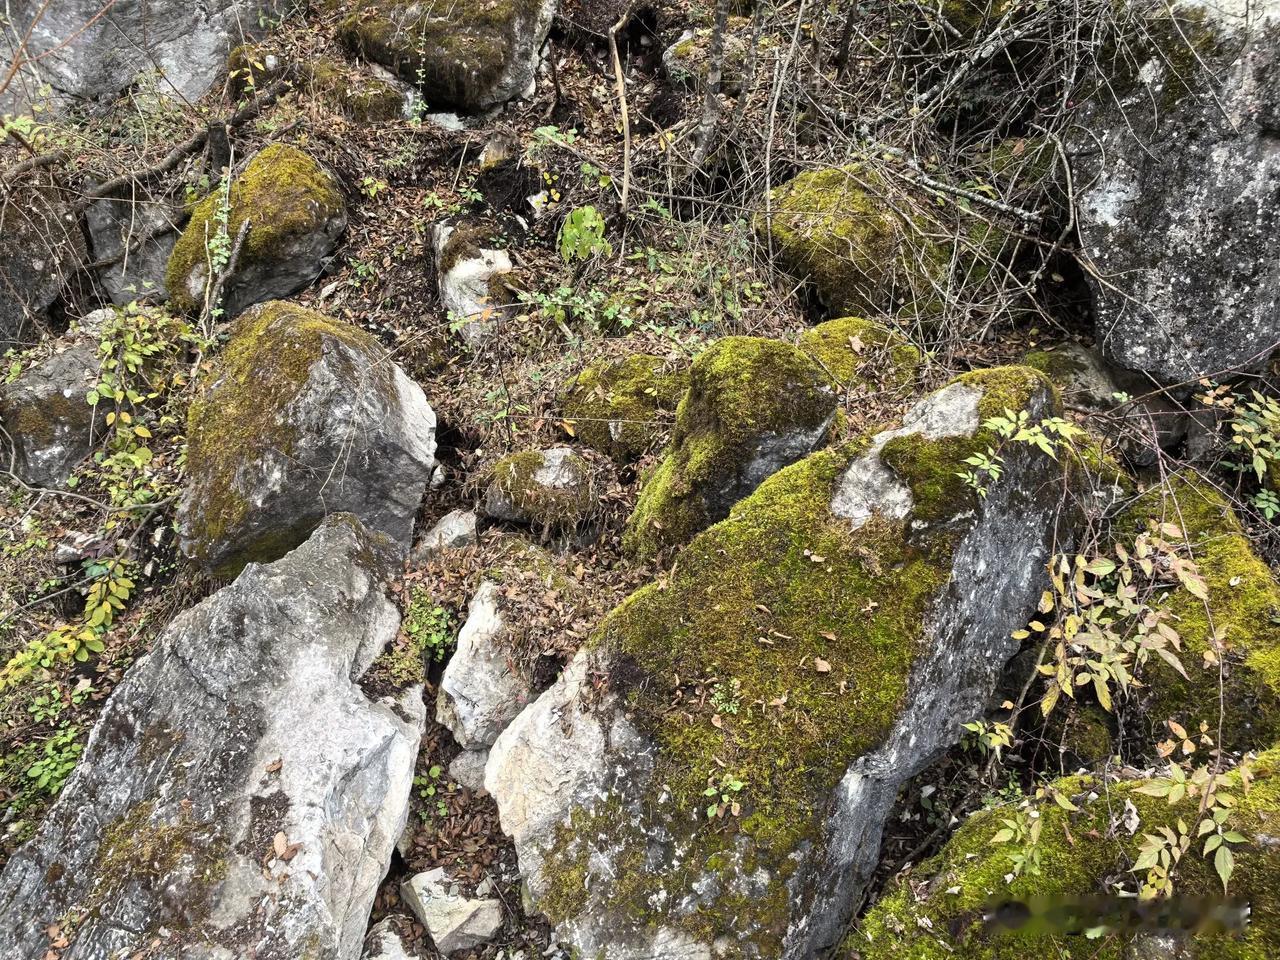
1179 192
306 416
91 50
48 423
240 795
139 236
41 246
850 614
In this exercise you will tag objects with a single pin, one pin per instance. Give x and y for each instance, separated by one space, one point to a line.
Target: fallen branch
622 102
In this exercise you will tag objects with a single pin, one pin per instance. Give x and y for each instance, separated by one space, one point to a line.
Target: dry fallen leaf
281 844
821 665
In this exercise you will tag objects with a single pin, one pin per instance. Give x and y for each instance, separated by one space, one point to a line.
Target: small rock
467 769
385 943
457 528
469 269
50 424
454 922
549 488
481 691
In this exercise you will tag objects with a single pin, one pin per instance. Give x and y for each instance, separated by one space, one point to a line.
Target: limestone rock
455 922
469 272
48 420
481 690
467 769
296 213
466 56
618 407
1180 193
305 416
546 488
142 233
457 528
887 589
753 406
84 53
240 794
385 943
40 247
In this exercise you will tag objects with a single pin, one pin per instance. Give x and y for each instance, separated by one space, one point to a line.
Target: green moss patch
938 911
283 192
1243 608
744 392
527 497
616 408
852 351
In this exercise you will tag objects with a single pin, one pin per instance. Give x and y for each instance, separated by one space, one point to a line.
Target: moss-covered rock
617 407
871 247
469 55
471 273
939 910
688 60
295 211
550 489
355 93
723 776
753 406
1242 610
852 351
306 416
969 16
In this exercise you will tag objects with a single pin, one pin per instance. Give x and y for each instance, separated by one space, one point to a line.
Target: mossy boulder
711 775
1085 856
471 270
355 93
296 213
306 416
855 352
753 406
870 246
551 489
469 55
1242 610
688 60
617 407
969 16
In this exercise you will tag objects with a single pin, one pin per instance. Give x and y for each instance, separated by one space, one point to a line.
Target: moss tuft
615 407
526 494
745 395
283 192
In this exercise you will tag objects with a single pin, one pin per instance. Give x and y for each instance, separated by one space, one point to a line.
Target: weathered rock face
40 247
861 601
469 272
457 528
141 233
617 408
481 690
306 416
240 794
87 52
470 56
1180 194
939 911
296 213
753 406
546 488
47 417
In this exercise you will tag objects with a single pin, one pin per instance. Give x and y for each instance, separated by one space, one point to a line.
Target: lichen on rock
827 618
753 406
296 213
305 416
616 407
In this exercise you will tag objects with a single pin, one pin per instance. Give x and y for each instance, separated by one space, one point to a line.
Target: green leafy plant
56 760
1022 830
1049 435
1267 503
428 625
582 236
723 794
727 697
990 738
432 790
1255 432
